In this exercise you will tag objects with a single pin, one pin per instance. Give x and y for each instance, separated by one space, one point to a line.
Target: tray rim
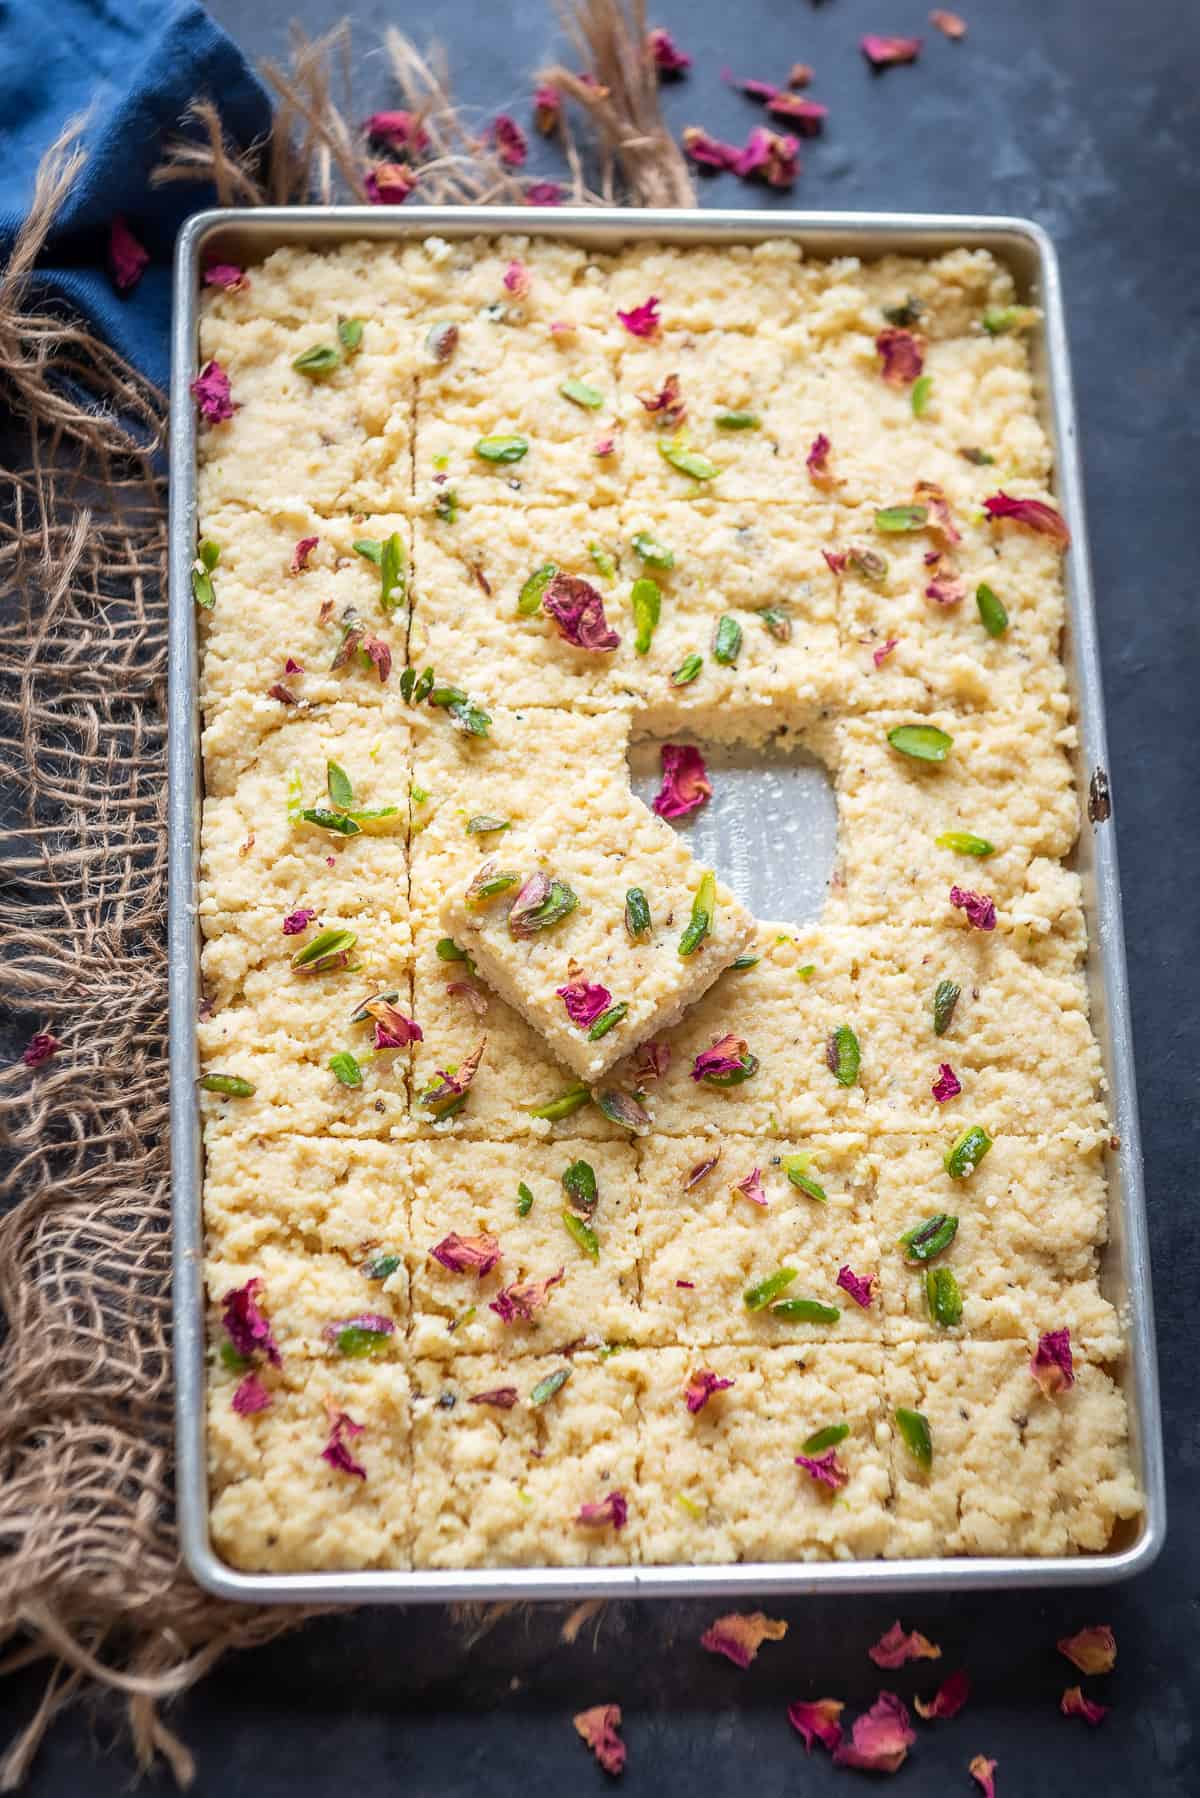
825 233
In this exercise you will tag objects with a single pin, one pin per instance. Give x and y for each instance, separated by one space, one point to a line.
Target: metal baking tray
1025 248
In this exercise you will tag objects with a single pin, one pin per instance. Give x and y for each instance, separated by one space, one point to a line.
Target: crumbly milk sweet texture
479 1302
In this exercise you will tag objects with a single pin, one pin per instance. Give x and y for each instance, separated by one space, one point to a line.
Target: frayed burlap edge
90 1576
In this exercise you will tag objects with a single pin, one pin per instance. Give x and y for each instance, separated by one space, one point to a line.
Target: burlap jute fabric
90 1578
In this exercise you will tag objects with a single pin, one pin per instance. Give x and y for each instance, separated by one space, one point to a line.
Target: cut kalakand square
596 924
336 1194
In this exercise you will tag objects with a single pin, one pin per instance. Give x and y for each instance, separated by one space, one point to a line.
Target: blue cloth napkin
133 66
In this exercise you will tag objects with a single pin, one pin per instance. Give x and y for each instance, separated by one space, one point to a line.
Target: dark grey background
1084 115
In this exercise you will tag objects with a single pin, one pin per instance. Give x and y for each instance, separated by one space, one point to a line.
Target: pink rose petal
685 783
886 52
752 1187
769 157
398 130
817 1721
861 1287
880 1739
303 550
40 1047
298 921
127 258
979 910
983 1772
389 183
825 1469
511 146
226 275
1034 513
1074 1704
524 1297
947 1701
612 1509
598 1728
1092 1650
947 1085
700 1388
578 610
741 1634
247 1325
667 58
336 1452
708 152
250 1396
896 1647
902 354
643 320
1053 1366
210 390
584 1002
467 1254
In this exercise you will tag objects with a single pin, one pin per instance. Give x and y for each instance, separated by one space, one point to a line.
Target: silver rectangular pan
233 236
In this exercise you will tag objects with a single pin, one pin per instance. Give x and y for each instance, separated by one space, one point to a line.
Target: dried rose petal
250 1396
1032 512
226 275
741 1634
666 56
668 401
584 1003
817 1721
247 1325
398 130
1092 1650
502 1398
947 1085
335 1451
509 139
755 90
283 694
378 653
685 783
544 193
940 518
516 278
836 560
947 590
1074 1704
547 110
452 1086
604 446
808 116
643 320
980 911
708 152
292 666
1053 1366
210 390
392 1029
861 1287
880 1739
689 1285
896 1647
524 1297
701 1171
599 1727
952 27
389 183
947 1701
474 995
817 463
752 1187
467 1254
301 553
298 921
578 611
651 1061
127 258
610 1509
884 52
769 157
902 353
879 656
825 1469
726 1056
983 1772
699 1389
40 1048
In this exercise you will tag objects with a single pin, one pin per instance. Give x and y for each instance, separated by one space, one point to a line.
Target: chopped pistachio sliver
320 360
382 1267
930 1236
502 449
602 561
777 621
325 950
624 1109
737 421
235 1362
328 820
843 1055
922 387
579 1184
964 1155
232 1086
393 572
687 461
906 314
559 903
448 950
704 907
485 826
564 1106
295 797
687 670
350 334
489 883
829 1437
445 506
581 393
743 962
530 597
583 1234
943 1297
727 640
607 1021
341 789
759 1296
901 518
999 319
964 843
689 1505
356 1341
807 971
208 554
423 687
346 1068
637 913
794 1167
945 998
915 1434
923 742
991 611
806 1311
649 548
547 1387
524 1199
646 601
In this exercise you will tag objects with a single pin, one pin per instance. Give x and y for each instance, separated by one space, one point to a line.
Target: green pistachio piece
704 907
338 822
564 1106
350 334
445 506
232 1086
991 612
547 1387
580 393
637 913
524 1199
321 360
483 826
829 1437
622 1108
901 518
393 572
963 843
843 1055
502 449
906 314
964 1155
687 461
915 1434
687 670
448 950
943 1297
646 600
737 1076
583 1234
727 640
648 547
602 561
793 1167
235 1362
922 742
930 1236
407 682
998 320
579 1184
324 951
529 599
777 621
346 1068
382 1267
737 421
208 554
358 1342
607 1021
922 387
423 687
806 1311
341 790
759 1296
945 998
